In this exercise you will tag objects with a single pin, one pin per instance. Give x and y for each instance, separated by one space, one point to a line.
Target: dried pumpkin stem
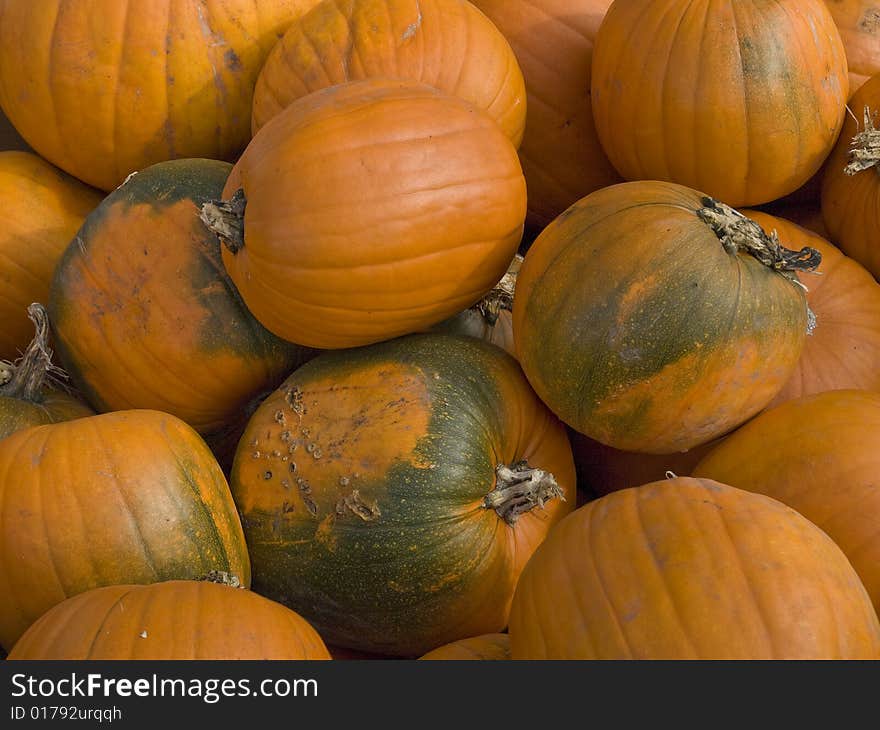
501 296
864 150
26 378
226 219
738 233
519 489
221 576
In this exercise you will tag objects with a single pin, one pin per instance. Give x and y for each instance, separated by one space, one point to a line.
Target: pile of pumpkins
438 329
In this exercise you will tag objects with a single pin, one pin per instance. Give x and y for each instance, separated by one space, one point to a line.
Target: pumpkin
743 100
104 88
27 395
690 569
392 493
169 620
820 455
480 648
143 311
42 210
370 210
117 498
561 156
851 183
653 318
448 44
859 24
844 349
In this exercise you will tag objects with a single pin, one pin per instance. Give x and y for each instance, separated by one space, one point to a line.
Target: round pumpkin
690 569
144 314
169 620
447 44
851 183
644 318
107 87
488 647
32 389
743 100
42 210
859 24
561 156
843 351
118 498
370 210
820 455
391 494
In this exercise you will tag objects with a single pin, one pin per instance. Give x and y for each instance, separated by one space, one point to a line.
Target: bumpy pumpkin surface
370 210
851 181
819 455
107 87
643 323
390 495
690 569
561 155
144 314
487 647
178 620
859 24
118 498
743 99
42 210
447 44
843 350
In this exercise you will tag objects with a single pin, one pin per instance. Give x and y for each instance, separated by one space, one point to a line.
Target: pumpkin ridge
98 633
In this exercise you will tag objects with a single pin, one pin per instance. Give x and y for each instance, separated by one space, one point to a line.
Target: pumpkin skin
819 455
180 76
118 498
337 42
743 100
374 209
638 329
844 349
171 620
43 208
851 203
480 648
561 156
690 569
859 24
361 481
173 334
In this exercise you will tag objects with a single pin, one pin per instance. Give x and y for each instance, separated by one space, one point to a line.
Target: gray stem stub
864 149
226 219
34 370
501 296
519 489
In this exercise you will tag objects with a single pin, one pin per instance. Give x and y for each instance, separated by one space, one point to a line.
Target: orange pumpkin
820 455
107 87
743 100
859 24
561 156
652 318
843 351
370 210
447 44
480 648
31 390
170 620
42 210
391 494
123 497
851 183
690 569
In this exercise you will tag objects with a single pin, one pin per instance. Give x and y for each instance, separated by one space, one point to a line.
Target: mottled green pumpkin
392 494
145 316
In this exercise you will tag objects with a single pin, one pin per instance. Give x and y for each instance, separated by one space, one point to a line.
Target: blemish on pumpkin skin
232 61
368 511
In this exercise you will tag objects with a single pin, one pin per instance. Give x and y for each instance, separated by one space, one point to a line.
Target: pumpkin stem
501 296
226 219
864 150
738 233
221 576
26 378
519 489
